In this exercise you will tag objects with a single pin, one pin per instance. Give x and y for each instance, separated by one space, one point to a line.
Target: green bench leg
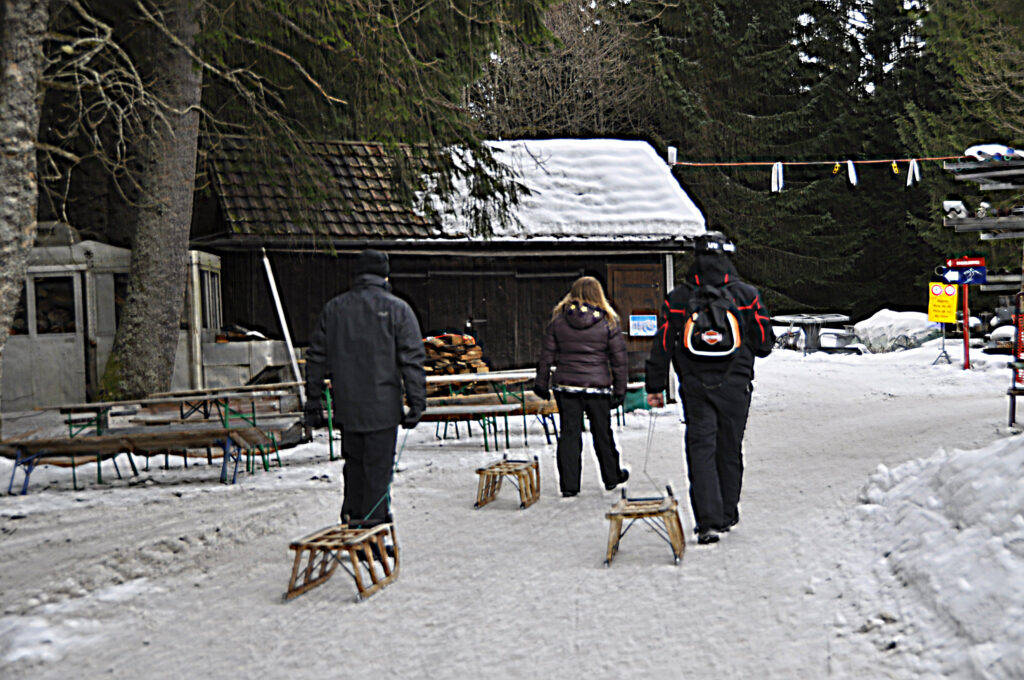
277 452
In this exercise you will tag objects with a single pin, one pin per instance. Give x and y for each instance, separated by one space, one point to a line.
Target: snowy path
180 576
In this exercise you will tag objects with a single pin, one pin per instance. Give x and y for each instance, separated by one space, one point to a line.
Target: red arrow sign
966 262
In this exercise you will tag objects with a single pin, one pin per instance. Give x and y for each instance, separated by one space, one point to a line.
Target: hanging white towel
851 173
913 172
777 177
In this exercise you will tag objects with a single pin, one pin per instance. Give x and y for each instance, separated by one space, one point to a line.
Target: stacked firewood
453 353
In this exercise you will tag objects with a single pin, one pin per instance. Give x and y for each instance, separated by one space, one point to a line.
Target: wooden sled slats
362 552
651 511
525 474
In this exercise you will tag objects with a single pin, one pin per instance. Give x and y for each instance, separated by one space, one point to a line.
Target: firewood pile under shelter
451 354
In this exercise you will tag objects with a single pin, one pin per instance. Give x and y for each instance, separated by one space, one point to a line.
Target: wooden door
636 291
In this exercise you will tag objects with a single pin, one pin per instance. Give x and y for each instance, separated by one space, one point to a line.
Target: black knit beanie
372 262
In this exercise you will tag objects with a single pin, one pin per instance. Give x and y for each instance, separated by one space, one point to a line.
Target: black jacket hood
712 269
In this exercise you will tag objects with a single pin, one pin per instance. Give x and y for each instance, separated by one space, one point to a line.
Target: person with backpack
711 329
584 343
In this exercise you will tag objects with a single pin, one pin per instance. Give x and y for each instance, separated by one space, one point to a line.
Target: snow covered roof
591 189
597 191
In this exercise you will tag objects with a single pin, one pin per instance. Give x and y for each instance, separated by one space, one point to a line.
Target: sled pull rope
653 415
387 494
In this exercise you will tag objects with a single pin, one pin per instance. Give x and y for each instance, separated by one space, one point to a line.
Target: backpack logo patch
712 329
711 337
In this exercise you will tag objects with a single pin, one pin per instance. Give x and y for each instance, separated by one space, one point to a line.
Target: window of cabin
55 304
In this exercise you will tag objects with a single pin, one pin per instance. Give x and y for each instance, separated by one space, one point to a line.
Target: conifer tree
897 261
763 83
822 82
970 94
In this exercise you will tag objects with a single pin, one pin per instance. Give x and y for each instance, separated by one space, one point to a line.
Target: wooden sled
660 514
325 550
524 474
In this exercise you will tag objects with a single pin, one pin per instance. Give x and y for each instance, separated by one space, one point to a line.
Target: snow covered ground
881 536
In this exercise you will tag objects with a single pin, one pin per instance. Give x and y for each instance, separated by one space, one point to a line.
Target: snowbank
952 529
888 330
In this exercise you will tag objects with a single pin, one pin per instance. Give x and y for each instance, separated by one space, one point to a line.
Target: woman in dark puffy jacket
585 345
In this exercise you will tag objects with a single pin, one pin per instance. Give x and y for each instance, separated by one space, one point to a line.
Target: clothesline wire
886 160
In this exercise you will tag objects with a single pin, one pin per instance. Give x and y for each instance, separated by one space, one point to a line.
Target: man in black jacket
368 342
715 390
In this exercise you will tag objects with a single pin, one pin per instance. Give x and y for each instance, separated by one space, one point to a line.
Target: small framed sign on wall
643 325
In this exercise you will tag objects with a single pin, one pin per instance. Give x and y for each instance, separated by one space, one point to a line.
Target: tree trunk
22 25
142 359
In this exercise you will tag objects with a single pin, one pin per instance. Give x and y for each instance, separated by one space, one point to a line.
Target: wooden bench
323 552
651 511
524 474
27 453
485 414
530 405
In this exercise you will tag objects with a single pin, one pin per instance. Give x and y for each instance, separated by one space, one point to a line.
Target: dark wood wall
504 302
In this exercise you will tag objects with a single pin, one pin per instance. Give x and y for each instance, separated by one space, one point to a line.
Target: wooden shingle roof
341 194
339 190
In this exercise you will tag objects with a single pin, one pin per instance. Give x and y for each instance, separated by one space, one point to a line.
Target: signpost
942 299
1018 341
942 308
963 262
967 271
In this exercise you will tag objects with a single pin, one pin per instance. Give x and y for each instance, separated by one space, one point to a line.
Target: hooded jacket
587 350
758 338
368 342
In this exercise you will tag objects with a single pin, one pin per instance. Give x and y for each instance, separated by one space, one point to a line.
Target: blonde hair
586 290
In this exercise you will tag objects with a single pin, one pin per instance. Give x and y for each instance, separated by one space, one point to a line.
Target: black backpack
712 328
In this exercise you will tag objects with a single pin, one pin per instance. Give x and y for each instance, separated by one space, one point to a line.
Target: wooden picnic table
189 403
243 389
499 382
491 376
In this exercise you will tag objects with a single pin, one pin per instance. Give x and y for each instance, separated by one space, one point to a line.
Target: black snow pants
716 416
369 467
571 407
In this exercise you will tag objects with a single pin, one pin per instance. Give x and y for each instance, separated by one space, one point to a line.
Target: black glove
618 400
313 415
411 418
542 392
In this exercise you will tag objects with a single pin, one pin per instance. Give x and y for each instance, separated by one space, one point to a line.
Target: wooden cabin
606 208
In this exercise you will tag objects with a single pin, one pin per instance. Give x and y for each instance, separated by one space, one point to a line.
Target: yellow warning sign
942 302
